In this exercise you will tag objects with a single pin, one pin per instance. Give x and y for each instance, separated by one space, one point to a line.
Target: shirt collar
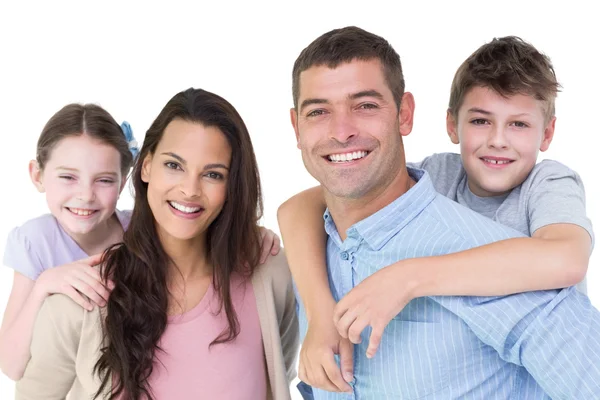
378 228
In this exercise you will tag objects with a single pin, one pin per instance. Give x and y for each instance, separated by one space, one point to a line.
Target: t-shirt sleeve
445 171
556 196
20 255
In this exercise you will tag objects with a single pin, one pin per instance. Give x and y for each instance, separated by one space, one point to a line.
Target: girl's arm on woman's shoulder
26 298
51 370
17 325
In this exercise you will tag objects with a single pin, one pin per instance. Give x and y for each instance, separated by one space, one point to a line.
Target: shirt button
344 255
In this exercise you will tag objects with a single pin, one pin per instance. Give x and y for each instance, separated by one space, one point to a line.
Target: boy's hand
318 367
374 302
75 279
271 244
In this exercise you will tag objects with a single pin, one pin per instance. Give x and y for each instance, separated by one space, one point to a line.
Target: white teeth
344 157
182 208
496 161
81 212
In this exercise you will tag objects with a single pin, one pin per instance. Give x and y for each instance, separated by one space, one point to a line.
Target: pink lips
496 162
75 215
184 215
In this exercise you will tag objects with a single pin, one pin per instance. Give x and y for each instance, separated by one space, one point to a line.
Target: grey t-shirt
551 194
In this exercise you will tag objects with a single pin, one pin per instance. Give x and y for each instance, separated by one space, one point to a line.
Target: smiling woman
190 304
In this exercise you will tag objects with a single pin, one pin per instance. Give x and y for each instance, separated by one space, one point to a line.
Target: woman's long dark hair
136 313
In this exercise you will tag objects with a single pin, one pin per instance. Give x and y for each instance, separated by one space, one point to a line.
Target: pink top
235 370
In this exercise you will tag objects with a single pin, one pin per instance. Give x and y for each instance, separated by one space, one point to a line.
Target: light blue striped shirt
535 345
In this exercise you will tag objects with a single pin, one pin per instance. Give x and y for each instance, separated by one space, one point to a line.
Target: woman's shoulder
61 313
275 270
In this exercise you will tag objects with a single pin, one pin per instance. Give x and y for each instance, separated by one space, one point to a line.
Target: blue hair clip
131 142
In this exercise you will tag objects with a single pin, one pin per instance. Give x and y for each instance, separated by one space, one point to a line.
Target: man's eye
315 113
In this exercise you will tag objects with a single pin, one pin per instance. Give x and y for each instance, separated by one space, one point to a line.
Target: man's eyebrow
354 96
367 93
309 102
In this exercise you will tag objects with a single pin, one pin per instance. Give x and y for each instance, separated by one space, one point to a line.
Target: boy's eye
479 121
172 165
66 177
520 124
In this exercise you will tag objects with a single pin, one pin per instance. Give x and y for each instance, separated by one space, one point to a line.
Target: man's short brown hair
345 45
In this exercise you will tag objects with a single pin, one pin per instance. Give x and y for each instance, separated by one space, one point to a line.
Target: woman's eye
172 165
214 175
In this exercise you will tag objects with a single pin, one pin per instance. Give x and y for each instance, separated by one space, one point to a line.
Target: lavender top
41 243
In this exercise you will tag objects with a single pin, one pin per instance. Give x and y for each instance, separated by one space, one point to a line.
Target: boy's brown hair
509 66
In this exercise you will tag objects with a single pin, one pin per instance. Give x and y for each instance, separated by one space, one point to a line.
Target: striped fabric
536 345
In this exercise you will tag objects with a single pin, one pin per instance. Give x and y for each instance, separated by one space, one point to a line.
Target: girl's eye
172 165
107 181
66 177
479 121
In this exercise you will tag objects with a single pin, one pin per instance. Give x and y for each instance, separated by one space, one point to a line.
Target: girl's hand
270 244
75 280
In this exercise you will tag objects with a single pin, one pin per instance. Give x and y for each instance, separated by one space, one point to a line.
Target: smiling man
350 114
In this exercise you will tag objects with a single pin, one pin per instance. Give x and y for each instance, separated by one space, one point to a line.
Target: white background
132 58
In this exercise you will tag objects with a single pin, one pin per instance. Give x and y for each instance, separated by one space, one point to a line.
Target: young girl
82 162
191 315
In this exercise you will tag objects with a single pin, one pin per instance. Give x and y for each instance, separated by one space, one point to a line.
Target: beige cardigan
66 339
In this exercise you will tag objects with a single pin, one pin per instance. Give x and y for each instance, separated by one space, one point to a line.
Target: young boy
501 112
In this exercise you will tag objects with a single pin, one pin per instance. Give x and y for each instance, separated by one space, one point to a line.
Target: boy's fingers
321 381
346 359
356 329
374 340
344 323
334 376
